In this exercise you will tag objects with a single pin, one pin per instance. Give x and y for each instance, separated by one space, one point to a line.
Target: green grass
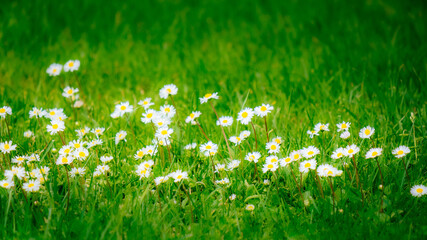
314 61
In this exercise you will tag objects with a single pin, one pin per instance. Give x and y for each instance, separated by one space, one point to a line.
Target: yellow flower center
147 165
367 132
82 130
310 152
64 160
274 160
192 115
140 154
400 152
224 121
76 145
287 159
55 126
296 156
330 172
123 108
350 151
167 109
238 139
270 166
82 154
52 113
208 147
169 90
344 125
273 147
160 123
67 150
164 132
31 185
278 141
339 154
419 190
208 95
20 159
145 103
149 115
263 108
54 70
150 151
71 64
307 165
322 126
120 136
6 146
179 176
2 110
245 114
5 184
70 91
98 130
374 154
250 207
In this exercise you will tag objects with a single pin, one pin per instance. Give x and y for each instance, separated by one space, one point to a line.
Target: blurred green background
303 56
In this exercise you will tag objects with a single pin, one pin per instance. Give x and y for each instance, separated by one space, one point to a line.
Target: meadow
120 140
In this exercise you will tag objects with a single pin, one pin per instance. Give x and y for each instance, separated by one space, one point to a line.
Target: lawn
359 62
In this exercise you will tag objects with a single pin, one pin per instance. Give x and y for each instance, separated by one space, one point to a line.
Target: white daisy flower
19 159
33 158
224 121
168 111
83 131
223 181
121 135
102 169
338 153
296 155
266 182
305 166
143 172
232 197
344 126
146 103
192 117
263 110
310 151
7 147
98 131
63 159
250 207
373 153
37 113
272 147
235 140
121 109
208 147
164 133
418 190
233 164
106 159
139 154
179 175
245 134
81 153
161 179
366 132
208 96
32 186
345 135
167 90
277 140
150 150
28 134
190 146
326 170
19 172
7 183
69 92
351 150
55 127
5 110
285 161
401 151
78 104
146 164
148 116
77 171
253 157
54 69
321 127
72 65
272 159
161 122
219 167
55 114
311 133
245 116
272 167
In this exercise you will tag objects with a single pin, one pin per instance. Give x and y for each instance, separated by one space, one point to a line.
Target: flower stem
357 172
256 140
333 193
296 182
201 129
266 128
68 195
223 133
7 127
382 184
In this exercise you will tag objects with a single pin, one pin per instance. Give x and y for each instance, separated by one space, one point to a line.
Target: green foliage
315 61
